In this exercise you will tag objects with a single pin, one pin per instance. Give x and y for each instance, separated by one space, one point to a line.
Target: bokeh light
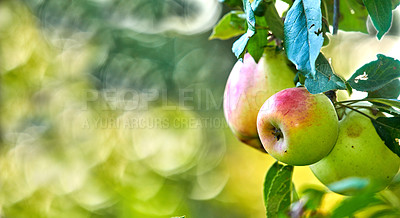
114 109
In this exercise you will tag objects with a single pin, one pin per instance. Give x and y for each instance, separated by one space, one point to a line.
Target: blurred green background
113 108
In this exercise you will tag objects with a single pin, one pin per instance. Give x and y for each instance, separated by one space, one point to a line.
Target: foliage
303 36
55 53
277 189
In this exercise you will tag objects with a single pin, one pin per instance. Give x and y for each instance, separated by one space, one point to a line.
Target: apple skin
248 86
359 152
308 125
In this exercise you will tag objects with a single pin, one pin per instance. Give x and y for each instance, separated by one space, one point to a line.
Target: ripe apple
296 127
359 152
248 86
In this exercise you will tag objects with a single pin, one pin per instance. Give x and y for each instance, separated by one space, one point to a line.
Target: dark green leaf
351 205
390 90
289 2
394 29
325 79
232 3
277 189
381 14
230 25
259 41
303 34
376 74
274 21
388 128
259 7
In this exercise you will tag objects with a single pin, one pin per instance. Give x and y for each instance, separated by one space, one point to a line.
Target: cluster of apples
266 111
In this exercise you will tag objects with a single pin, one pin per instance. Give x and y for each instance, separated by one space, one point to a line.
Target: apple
248 86
296 127
359 152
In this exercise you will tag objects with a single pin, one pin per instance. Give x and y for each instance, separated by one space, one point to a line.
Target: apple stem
331 95
358 111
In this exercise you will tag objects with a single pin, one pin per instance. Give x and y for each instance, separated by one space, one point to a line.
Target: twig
358 111
336 14
351 101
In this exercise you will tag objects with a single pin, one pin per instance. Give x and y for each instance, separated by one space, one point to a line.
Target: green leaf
239 45
259 7
230 25
386 213
348 88
309 202
351 205
380 107
389 102
385 105
274 21
349 185
250 18
390 90
325 79
303 34
299 79
295 196
388 110
381 14
232 3
376 74
388 128
277 189
289 2
258 41
313 198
